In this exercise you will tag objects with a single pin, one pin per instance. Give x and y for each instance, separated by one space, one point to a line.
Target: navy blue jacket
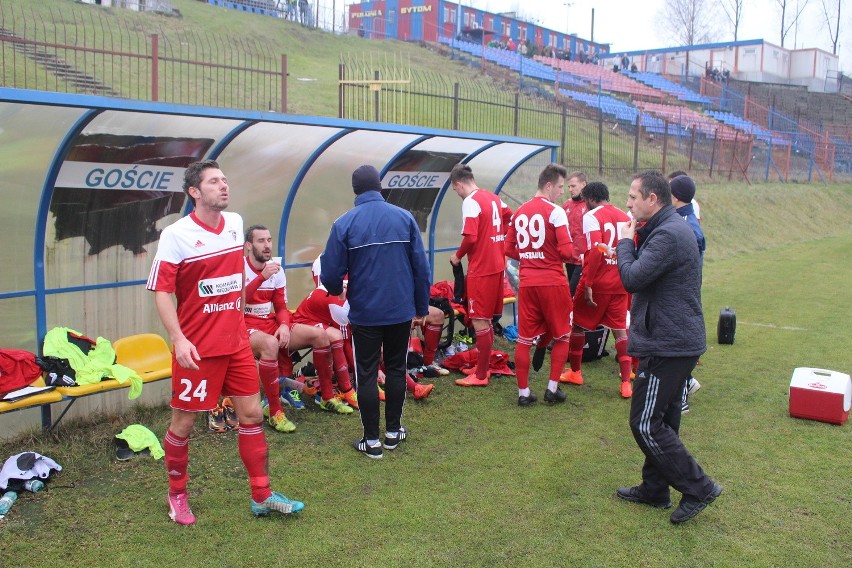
688 214
379 246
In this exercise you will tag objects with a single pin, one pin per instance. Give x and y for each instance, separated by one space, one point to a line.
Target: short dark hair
461 172
192 175
550 174
653 181
676 173
595 191
250 231
579 175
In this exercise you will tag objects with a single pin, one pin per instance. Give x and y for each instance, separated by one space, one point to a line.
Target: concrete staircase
81 82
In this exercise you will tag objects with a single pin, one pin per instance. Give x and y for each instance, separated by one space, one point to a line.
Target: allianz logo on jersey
220 286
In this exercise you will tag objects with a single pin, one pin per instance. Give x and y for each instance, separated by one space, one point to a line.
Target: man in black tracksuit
663 272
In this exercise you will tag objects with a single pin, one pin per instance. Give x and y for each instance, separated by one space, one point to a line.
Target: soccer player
538 237
274 335
600 298
575 207
200 261
331 314
484 221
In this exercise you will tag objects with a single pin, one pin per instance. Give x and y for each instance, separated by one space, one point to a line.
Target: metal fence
89 53
589 140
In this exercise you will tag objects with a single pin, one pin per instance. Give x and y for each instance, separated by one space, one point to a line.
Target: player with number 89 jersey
538 237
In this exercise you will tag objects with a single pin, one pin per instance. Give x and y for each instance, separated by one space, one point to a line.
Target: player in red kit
600 298
274 334
538 237
200 260
575 207
484 221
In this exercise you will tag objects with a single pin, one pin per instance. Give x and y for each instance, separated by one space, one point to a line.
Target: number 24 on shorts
200 391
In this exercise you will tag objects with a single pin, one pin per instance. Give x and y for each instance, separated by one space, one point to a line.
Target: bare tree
834 34
734 12
787 10
688 21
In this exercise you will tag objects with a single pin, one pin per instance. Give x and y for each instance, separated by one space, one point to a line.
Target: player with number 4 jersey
538 237
600 298
484 221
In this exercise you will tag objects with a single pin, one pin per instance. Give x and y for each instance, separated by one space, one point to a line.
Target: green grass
483 482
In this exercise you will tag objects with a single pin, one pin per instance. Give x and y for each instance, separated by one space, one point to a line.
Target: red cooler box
818 394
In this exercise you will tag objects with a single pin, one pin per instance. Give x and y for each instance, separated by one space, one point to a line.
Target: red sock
578 340
177 460
431 337
268 370
634 364
625 361
522 362
347 348
409 382
322 356
559 356
341 367
484 343
255 456
285 364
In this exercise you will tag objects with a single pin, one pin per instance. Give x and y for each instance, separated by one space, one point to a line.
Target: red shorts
229 375
266 325
544 309
484 296
611 311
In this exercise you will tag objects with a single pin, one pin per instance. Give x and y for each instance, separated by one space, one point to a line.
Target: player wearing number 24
200 260
538 237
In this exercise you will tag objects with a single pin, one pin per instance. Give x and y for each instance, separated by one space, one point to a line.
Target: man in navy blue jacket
379 246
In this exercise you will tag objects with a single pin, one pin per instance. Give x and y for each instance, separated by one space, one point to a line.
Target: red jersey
602 226
320 307
539 233
576 210
203 267
265 299
484 221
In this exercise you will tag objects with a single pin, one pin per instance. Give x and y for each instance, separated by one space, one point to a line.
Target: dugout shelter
90 182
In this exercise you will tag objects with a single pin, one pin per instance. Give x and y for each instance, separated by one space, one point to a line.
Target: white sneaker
692 386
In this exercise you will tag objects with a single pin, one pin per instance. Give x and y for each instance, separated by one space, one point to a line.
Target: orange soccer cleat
573 377
626 389
472 381
422 391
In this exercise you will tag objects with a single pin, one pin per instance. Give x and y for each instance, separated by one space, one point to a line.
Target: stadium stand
678 91
688 118
605 78
619 110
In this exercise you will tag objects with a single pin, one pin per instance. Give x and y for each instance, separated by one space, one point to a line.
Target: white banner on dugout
415 180
129 177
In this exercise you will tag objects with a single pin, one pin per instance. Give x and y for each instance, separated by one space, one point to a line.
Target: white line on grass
773 326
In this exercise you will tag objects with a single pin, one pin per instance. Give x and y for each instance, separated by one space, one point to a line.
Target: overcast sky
629 25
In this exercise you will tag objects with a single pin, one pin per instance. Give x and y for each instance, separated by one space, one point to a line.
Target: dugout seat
146 353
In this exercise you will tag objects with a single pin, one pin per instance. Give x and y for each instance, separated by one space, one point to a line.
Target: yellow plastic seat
146 353
83 390
48 397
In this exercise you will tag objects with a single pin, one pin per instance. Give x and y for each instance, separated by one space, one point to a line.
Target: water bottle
34 485
7 501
